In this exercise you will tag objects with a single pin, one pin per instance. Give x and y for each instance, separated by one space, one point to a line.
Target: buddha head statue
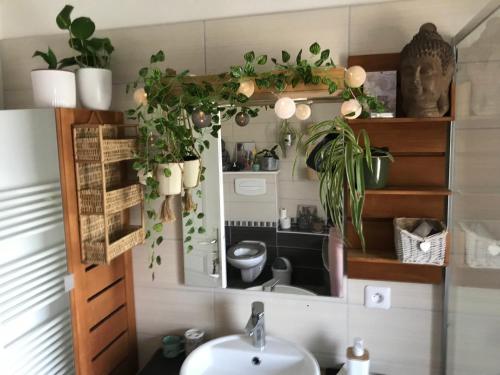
426 69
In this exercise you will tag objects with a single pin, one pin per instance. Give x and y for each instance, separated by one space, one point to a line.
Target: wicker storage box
482 246
103 195
412 248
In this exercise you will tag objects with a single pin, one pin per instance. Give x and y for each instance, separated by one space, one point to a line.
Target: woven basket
87 149
90 175
411 248
90 200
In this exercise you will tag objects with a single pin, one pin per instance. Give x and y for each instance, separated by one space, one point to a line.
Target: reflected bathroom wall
474 294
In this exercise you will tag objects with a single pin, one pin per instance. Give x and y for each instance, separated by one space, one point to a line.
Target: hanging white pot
53 88
94 88
191 173
171 185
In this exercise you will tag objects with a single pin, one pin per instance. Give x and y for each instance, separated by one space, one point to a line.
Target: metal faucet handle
257 308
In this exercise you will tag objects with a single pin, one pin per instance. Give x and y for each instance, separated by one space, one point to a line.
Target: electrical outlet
377 297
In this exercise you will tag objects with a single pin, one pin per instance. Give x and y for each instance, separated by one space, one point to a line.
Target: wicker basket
102 198
90 200
412 248
482 243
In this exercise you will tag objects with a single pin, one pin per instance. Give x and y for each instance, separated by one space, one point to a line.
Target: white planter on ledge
53 88
94 88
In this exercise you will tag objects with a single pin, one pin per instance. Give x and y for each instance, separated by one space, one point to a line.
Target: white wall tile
161 311
383 28
404 337
403 295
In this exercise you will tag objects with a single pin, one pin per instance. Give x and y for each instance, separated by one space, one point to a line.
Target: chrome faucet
255 326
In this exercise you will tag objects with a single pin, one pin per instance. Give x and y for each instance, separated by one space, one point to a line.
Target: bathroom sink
235 354
286 289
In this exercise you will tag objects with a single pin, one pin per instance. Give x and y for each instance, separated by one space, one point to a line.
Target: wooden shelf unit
417 187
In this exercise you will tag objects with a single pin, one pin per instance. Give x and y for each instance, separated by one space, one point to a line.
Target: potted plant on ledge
269 159
94 77
53 87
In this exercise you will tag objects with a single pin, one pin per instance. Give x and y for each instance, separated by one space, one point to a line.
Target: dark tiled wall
303 251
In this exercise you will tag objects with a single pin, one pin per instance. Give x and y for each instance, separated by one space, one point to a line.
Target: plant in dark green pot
269 159
376 177
94 78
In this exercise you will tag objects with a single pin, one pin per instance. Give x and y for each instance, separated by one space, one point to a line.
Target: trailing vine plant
170 100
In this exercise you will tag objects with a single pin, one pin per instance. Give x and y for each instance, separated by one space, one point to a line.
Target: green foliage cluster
90 51
268 153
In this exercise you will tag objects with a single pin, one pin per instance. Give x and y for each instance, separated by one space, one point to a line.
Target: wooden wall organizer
103 193
102 301
418 187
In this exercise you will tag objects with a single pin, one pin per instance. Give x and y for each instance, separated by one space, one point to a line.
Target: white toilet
250 257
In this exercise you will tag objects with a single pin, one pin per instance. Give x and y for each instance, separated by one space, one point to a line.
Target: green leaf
158 260
249 56
82 28
190 248
299 57
207 144
185 214
167 172
191 230
315 48
68 61
201 215
151 214
325 54
143 72
201 230
158 227
137 166
262 59
187 239
63 19
189 222
49 57
159 240
157 57
285 56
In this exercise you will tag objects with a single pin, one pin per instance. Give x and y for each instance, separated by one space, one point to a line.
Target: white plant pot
53 88
170 185
94 88
191 173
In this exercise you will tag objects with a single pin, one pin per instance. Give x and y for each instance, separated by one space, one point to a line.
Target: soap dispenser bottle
358 360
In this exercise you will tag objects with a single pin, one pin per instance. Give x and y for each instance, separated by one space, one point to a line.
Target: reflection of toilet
250 257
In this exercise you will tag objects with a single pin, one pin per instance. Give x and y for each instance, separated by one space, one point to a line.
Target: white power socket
377 297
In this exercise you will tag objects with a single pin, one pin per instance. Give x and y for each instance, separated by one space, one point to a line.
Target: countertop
159 365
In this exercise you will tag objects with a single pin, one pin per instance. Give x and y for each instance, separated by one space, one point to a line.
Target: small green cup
172 346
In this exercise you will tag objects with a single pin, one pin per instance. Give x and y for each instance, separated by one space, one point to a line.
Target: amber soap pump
358 359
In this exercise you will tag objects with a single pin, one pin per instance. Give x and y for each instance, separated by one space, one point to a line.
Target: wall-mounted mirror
272 233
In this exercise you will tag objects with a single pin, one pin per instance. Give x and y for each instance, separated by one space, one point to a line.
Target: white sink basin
285 289
235 355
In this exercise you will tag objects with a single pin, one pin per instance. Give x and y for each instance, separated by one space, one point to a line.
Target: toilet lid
247 249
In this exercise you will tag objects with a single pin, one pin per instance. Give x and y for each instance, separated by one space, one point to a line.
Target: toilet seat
246 250
250 257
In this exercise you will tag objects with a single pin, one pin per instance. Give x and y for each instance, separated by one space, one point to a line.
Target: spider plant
340 163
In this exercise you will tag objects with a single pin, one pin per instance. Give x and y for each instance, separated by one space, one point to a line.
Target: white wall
403 340
22 17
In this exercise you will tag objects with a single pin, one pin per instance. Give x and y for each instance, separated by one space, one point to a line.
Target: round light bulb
140 96
351 109
284 108
355 76
246 88
303 112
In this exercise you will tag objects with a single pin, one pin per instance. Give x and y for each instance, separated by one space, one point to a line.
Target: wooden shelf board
376 265
410 190
402 120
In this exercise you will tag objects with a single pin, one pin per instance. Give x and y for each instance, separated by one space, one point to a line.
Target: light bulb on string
247 88
351 109
303 111
355 76
140 96
284 108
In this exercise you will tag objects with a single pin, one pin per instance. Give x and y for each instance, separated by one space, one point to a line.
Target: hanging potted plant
94 77
52 87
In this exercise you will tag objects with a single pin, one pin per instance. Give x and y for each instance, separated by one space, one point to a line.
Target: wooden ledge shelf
381 266
412 190
403 120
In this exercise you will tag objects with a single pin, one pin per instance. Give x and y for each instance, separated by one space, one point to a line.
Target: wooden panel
386 269
412 171
379 235
112 357
102 276
84 284
392 206
104 304
107 331
428 137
